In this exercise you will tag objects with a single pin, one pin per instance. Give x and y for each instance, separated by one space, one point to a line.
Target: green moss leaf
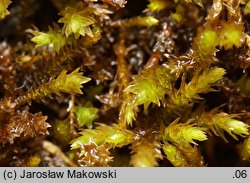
68 83
54 38
157 5
113 136
184 132
231 35
86 115
76 21
3 8
136 21
200 83
219 122
174 155
150 86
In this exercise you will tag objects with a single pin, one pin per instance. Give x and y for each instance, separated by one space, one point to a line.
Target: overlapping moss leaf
77 21
54 38
68 83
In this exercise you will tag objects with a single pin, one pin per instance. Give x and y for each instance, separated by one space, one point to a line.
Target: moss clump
118 83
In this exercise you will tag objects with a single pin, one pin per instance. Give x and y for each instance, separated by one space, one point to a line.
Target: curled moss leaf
89 41
41 38
3 8
127 113
23 125
194 133
238 127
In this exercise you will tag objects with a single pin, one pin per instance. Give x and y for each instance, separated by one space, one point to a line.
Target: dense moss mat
124 83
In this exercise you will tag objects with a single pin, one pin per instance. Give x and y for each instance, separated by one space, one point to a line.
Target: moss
104 83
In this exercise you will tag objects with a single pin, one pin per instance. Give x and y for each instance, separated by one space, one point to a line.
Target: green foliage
174 155
88 41
157 5
67 83
136 21
150 86
182 136
184 133
54 37
3 8
112 135
152 72
231 34
86 115
205 43
76 21
200 83
220 122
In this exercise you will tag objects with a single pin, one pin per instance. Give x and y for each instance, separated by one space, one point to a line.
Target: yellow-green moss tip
207 40
3 8
76 21
238 127
147 21
157 5
53 38
231 34
86 115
